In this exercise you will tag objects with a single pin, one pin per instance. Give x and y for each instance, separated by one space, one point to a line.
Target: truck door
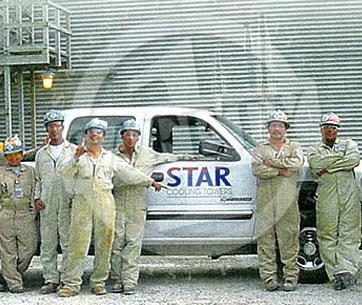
209 200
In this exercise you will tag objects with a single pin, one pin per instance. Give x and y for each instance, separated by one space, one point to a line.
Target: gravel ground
190 280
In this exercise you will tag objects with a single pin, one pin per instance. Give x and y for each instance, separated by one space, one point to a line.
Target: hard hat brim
333 124
287 125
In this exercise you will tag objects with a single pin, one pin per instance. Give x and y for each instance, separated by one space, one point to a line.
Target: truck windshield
245 139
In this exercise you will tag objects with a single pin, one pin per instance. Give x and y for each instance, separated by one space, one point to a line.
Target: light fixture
47 79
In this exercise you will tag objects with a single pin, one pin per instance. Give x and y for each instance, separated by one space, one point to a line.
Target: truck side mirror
157 176
221 151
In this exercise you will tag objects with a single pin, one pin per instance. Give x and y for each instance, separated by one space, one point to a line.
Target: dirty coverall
3 161
131 205
56 192
337 207
18 234
277 212
94 209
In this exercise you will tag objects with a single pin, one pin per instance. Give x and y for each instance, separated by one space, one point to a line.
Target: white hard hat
96 123
53 115
330 118
278 116
130 125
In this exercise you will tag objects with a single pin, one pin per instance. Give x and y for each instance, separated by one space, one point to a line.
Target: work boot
48 288
17 289
65 292
99 290
338 282
348 279
271 284
129 289
117 287
289 285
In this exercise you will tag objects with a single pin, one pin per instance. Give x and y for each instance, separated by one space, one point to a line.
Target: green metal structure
35 36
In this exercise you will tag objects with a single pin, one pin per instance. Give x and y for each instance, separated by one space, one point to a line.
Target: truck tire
309 261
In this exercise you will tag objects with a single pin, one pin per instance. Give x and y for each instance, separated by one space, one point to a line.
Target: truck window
245 139
182 134
112 138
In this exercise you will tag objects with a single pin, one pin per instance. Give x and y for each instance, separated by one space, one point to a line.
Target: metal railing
35 32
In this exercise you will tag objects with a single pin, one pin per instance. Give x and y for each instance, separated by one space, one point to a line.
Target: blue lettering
171 175
204 177
189 174
221 176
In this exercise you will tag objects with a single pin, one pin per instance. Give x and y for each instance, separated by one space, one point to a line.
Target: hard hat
1 146
278 116
130 125
96 123
12 145
53 115
330 118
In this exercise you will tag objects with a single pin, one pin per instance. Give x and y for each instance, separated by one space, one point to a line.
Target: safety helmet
53 115
12 145
1 146
278 116
130 125
330 118
96 123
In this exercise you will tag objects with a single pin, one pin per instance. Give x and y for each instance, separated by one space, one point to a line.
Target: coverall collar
22 168
47 148
65 142
101 153
267 142
336 142
136 148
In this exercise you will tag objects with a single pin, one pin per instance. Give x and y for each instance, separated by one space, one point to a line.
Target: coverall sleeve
160 158
29 155
33 181
348 161
292 161
4 188
129 175
69 184
37 186
185 157
68 168
259 169
318 161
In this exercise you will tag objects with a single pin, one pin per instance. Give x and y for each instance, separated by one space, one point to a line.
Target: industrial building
240 58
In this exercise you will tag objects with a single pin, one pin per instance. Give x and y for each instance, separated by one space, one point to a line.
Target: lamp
47 79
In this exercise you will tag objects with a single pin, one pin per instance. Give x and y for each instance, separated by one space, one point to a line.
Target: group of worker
84 191
276 163
79 191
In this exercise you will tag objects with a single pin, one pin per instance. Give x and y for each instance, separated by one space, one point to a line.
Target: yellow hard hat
1 146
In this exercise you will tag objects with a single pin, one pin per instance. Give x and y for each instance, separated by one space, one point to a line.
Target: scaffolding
35 36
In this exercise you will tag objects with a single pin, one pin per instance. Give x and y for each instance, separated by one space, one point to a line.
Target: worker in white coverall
131 205
276 163
53 195
338 208
93 209
18 234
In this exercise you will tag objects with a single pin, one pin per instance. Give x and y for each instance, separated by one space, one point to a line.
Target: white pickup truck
209 205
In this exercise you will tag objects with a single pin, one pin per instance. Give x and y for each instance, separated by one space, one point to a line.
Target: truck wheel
309 261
